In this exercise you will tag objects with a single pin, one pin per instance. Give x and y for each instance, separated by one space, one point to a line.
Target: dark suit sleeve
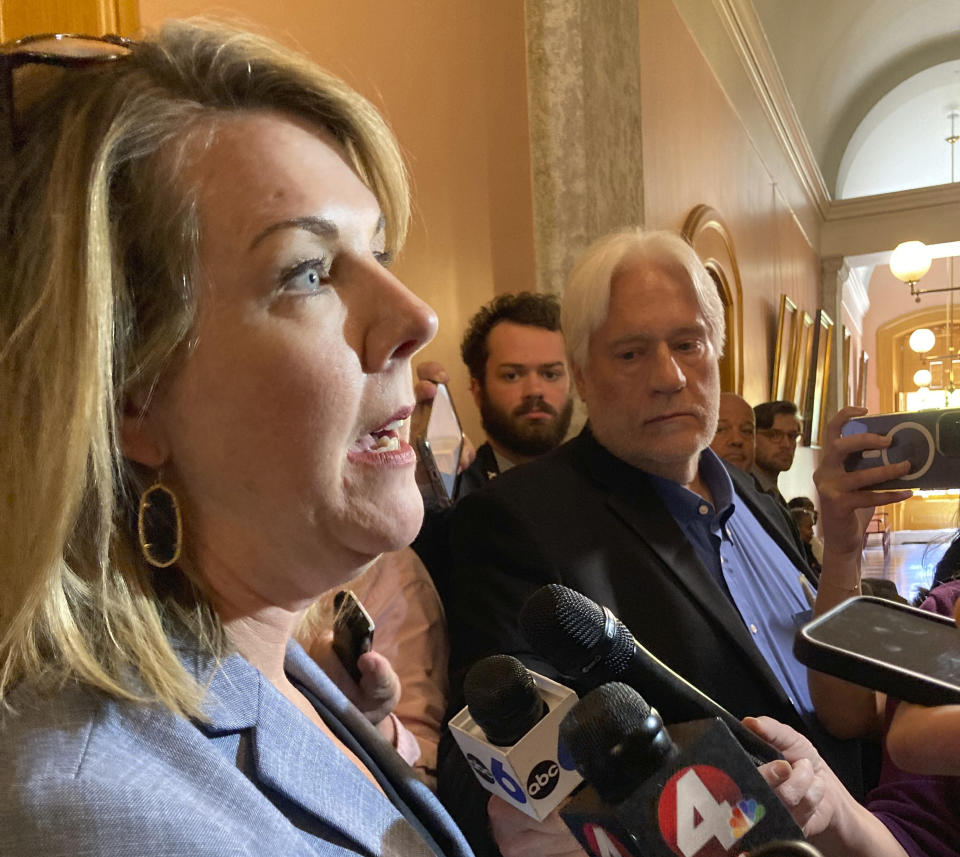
496 566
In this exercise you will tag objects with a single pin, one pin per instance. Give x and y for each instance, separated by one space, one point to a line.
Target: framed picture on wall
814 412
848 389
783 362
862 379
802 343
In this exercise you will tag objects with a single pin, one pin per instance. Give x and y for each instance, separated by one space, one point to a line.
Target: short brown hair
535 310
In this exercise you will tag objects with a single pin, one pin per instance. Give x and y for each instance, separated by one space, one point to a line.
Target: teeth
388 443
396 425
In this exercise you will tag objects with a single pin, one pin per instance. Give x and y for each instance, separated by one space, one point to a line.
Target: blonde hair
586 299
98 278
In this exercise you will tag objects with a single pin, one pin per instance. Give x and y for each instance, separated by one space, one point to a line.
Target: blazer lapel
635 501
290 756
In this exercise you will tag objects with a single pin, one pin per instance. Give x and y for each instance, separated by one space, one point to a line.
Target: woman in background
205 375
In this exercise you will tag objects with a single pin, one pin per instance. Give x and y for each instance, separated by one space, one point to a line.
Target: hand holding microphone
691 791
509 733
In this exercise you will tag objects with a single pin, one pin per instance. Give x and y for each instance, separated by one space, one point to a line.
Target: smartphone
908 653
437 437
352 630
929 440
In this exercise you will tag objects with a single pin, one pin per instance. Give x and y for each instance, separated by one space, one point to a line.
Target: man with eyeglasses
778 430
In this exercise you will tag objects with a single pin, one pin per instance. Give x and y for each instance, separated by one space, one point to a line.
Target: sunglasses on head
61 50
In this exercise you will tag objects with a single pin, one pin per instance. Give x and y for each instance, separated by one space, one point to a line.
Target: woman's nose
399 323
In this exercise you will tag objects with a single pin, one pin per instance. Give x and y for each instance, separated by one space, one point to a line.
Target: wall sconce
922 377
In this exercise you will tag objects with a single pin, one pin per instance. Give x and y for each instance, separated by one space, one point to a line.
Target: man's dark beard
525 438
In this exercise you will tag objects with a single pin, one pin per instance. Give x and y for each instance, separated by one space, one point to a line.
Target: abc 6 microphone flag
527 776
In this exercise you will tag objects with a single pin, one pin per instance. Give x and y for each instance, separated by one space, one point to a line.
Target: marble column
583 84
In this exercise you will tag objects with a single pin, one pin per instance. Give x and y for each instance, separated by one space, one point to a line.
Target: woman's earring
159 526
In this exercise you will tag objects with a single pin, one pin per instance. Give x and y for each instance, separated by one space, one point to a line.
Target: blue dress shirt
750 567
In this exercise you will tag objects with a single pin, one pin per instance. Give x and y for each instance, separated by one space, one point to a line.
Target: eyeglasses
62 50
778 436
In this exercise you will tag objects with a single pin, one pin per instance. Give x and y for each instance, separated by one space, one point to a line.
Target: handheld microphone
503 699
691 792
581 639
509 733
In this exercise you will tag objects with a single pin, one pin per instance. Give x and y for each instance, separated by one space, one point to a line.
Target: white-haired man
637 512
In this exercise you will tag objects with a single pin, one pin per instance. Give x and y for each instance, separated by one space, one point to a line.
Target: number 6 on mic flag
530 770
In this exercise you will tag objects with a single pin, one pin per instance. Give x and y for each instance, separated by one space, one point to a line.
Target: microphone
691 791
503 699
509 733
581 640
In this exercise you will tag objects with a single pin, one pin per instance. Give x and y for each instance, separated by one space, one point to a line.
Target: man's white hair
586 299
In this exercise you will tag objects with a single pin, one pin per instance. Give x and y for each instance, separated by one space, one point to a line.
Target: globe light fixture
922 377
922 340
909 261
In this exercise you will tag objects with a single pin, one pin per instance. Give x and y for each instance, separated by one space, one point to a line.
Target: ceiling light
909 262
922 340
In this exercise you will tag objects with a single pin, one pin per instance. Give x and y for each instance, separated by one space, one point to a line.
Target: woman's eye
307 276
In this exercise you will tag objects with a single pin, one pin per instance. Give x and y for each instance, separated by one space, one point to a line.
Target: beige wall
696 150
450 78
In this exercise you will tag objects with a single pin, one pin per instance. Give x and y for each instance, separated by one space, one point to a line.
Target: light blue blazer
85 775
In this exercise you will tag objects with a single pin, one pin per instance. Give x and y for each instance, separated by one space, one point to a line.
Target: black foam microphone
690 792
503 699
509 734
581 639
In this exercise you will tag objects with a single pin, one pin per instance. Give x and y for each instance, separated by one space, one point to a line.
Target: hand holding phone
436 436
908 653
352 631
929 440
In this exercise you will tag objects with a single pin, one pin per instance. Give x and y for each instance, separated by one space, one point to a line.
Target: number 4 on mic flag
702 812
603 843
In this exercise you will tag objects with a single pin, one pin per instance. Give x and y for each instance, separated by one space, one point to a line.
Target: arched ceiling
839 58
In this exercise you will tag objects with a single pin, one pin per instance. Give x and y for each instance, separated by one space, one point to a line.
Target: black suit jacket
432 543
581 517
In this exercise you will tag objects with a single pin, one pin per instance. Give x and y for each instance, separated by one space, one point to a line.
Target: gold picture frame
848 387
862 379
705 231
802 344
783 358
814 412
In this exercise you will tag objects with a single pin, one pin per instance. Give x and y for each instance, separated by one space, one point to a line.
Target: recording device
509 733
691 791
908 653
352 630
929 440
437 438
583 640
